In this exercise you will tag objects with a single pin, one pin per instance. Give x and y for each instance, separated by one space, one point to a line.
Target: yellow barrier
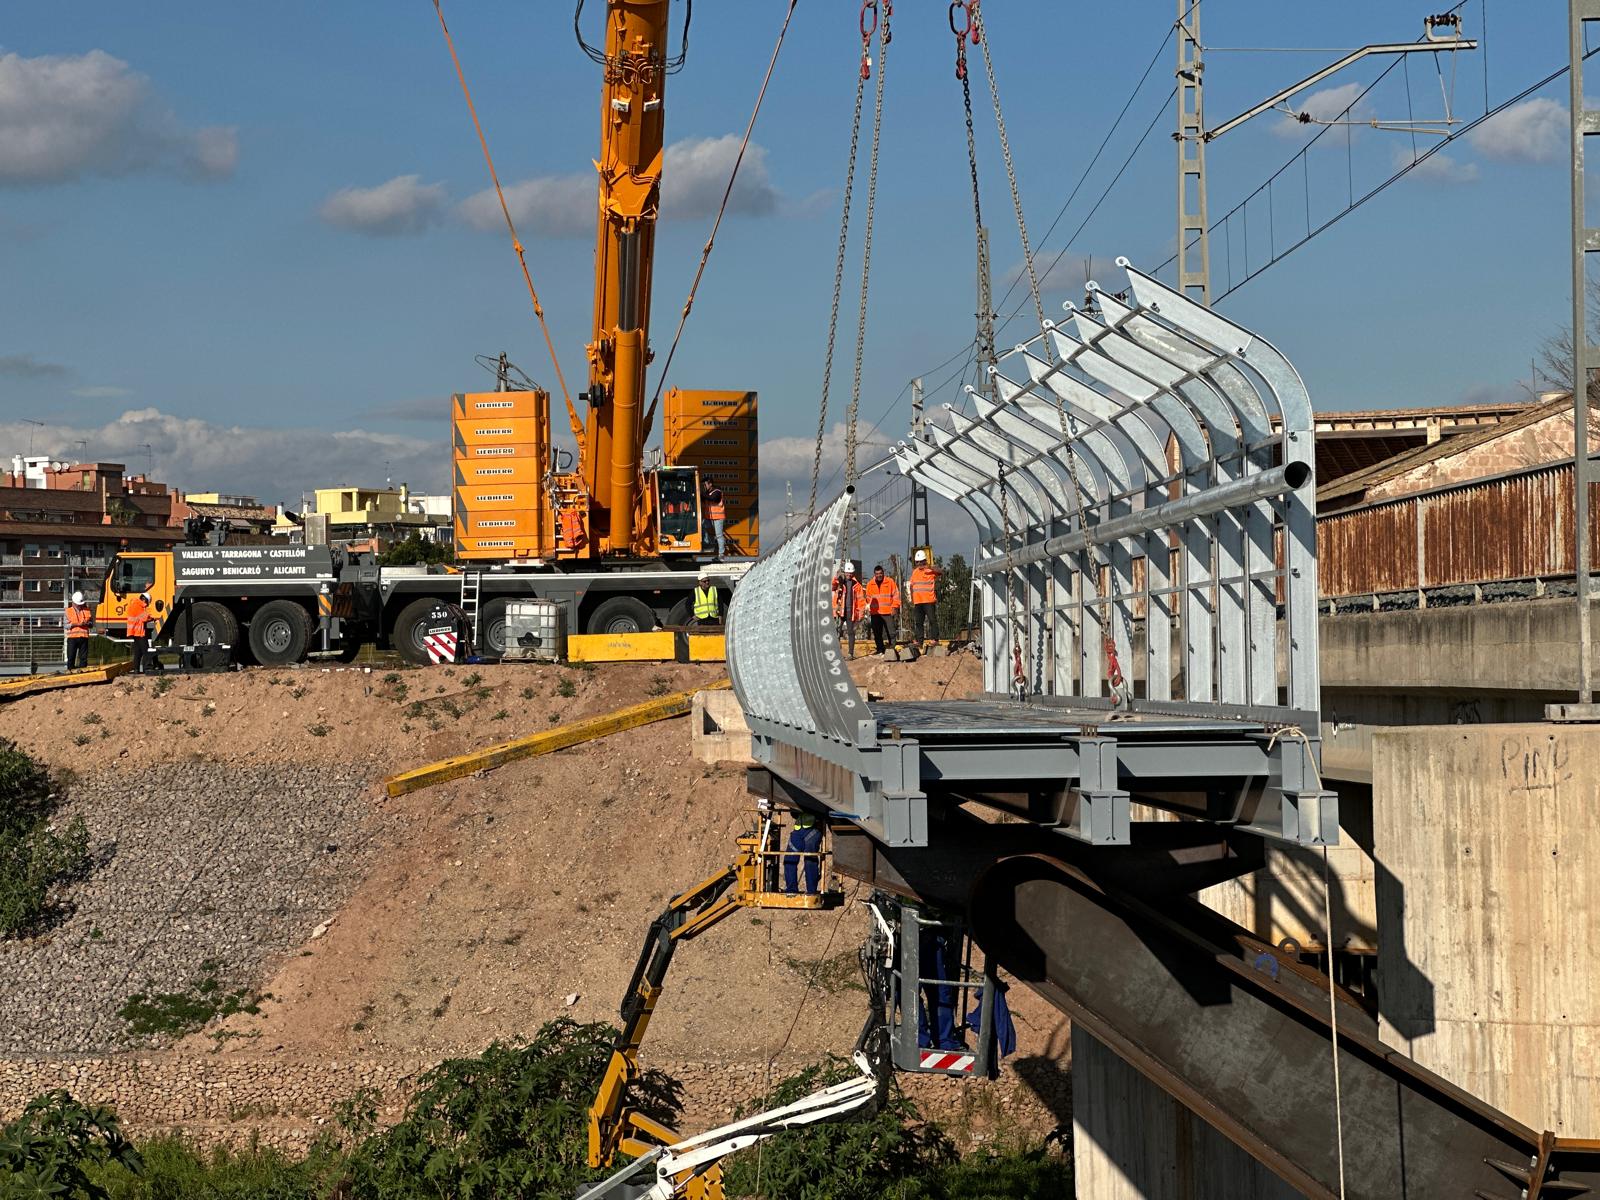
560 738
620 647
657 646
15 689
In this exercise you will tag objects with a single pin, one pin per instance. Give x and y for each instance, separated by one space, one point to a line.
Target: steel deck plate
933 720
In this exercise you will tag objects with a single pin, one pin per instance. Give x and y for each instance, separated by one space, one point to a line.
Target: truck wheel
211 624
279 633
622 614
492 629
406 636
681 612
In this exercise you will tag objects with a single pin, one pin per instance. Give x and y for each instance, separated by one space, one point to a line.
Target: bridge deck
968 720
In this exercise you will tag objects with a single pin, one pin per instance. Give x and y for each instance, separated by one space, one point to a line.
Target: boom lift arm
749 881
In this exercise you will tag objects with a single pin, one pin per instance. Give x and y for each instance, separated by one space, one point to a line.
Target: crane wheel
492 629
212 624
621 614
280 632
406 636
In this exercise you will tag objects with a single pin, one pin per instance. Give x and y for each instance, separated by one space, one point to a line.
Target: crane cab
127 576
676 495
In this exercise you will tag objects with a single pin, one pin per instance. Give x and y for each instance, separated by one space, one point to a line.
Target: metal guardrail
33 641
1068 475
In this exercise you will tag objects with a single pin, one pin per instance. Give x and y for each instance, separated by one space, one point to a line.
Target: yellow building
353 508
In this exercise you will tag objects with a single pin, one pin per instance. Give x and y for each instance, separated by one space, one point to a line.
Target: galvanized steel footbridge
1140 476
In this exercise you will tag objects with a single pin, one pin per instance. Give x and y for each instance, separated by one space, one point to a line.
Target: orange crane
516 497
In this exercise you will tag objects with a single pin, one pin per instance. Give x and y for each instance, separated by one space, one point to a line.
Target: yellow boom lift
750 881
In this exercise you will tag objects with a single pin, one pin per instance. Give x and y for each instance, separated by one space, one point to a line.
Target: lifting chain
866 242
838 265
1019 673
961 12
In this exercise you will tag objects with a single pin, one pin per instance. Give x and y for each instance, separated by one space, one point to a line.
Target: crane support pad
15 689
560 738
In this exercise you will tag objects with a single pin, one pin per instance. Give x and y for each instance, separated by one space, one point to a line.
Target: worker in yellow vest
924 600
707 604
80 621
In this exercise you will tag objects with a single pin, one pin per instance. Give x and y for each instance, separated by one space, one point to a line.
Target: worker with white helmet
80 621
849 599
707 604
924 591
140 617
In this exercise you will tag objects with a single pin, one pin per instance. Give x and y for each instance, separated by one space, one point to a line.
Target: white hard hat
144 595
920 556
704 578
850 568
77 597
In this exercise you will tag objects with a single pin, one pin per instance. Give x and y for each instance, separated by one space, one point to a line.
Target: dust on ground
494 903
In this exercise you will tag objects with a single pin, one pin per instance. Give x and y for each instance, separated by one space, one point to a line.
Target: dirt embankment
483 907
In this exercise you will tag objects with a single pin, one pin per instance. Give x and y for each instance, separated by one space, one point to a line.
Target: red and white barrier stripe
441 647
947 1060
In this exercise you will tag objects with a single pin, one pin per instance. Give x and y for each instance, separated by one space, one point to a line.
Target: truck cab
128 575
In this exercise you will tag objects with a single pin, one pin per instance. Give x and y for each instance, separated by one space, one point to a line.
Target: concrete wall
1524 645
1132 1141
1487 843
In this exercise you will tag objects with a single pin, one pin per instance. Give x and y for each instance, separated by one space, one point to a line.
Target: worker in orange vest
849 600
140 618
80 620
883 603
924 600
716 518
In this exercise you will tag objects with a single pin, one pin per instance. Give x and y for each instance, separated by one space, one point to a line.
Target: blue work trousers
803 841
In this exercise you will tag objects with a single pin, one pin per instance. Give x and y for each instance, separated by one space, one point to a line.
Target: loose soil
496 902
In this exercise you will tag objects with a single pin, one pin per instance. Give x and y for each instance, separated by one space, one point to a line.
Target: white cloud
66 116
1535 131
101 392
550 206
1328 104
274 465
402 205
26 366
1438 167
694 174
789 458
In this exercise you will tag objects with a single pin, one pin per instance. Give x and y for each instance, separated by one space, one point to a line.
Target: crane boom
629 166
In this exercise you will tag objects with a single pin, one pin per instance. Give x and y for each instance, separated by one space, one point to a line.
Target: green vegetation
566 688
177 1013
413 551
841 973
509 1123
36 854
953 595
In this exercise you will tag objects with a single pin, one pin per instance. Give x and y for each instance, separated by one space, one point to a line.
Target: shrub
510 1123
860 1159
34 856
566 688
52 1148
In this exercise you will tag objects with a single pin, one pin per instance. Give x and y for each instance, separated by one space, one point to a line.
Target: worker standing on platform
849 599
883 604
804 839
139 619
80 620
716 518
707 604
924 600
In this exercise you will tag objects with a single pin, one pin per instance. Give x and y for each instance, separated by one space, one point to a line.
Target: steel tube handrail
1262 485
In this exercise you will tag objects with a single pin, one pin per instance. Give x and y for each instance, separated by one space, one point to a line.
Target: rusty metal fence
1515 527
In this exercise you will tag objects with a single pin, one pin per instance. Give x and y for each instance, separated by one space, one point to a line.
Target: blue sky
183 272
